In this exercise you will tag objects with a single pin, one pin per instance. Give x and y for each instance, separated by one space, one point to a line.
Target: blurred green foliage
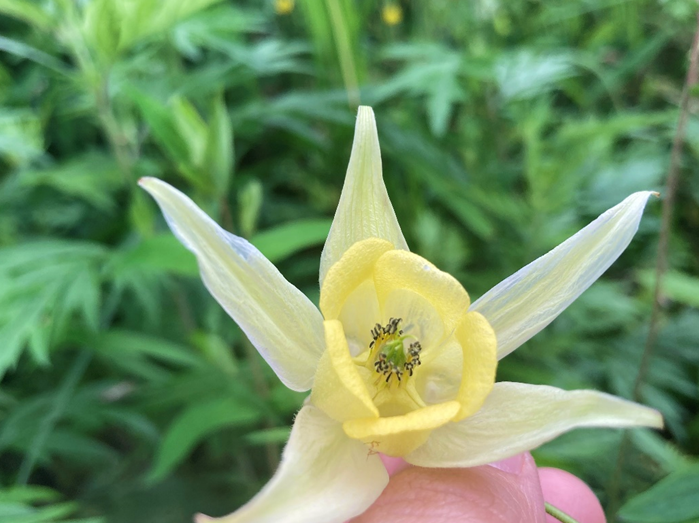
128 395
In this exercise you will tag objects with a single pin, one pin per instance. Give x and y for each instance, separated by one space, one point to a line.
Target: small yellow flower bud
283 7
392 14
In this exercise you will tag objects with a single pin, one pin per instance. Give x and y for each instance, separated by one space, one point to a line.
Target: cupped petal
280 321
324 477
365 210
438 378
526 302
352 270
338 389
397 270
398 435
419 317
359 315
479 346
517 417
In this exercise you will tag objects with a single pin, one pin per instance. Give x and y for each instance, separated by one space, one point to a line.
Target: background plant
128 395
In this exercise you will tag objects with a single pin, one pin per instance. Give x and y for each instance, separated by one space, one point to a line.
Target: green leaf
92 177
281 242
146 18
218 158
166 130
43 284
142 354
28 494
266 436
21 135
526 74
249 205
194 425
190 126
677 286
158 254
31 53
28 11
671 500
102 25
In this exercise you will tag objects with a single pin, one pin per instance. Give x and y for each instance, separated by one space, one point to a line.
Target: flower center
389 353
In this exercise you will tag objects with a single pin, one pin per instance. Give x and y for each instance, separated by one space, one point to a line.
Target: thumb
483 494
571 495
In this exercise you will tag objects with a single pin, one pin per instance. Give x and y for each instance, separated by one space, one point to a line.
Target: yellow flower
399 360
392 14
283 7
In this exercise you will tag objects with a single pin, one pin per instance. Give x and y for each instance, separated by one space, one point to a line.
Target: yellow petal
405 270
420 318
517 417
400 435
365 210
354 268
324 477
526 302
439 376
477 340
338 388
359 315
280 321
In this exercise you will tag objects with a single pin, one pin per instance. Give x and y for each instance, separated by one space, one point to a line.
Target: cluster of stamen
391 357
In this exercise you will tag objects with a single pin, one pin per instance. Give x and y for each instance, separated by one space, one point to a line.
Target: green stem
558 514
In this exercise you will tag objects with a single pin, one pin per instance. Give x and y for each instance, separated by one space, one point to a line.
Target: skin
509 491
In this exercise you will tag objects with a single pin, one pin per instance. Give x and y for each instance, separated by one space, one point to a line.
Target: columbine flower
399 360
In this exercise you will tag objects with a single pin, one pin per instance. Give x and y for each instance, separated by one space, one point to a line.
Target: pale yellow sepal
350 271
364 210
526 302
400 435
477 340
517 417
403 270
280 321
338 389
324 477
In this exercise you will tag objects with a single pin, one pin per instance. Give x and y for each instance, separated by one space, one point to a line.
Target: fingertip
570 494
393 465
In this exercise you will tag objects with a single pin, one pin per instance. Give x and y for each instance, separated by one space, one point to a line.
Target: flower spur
398 359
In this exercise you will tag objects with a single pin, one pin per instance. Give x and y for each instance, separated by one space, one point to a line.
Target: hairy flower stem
661 261
558 514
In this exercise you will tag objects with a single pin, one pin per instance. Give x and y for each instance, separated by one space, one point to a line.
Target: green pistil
394 352
390 357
